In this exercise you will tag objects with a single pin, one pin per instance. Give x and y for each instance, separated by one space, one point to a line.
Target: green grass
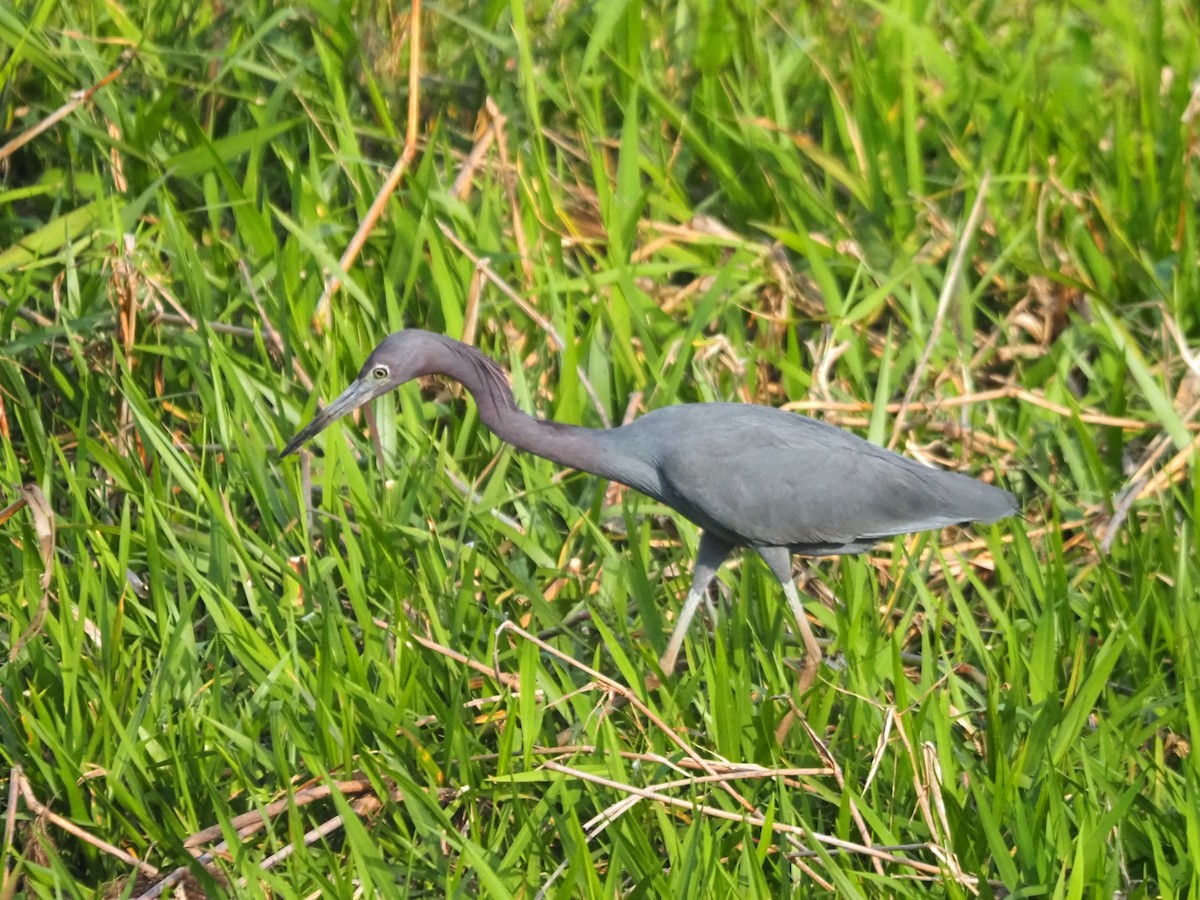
703 201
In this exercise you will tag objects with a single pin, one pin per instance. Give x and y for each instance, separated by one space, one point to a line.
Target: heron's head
400 357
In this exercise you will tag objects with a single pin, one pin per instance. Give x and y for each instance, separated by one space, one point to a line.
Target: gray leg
709 557
779 559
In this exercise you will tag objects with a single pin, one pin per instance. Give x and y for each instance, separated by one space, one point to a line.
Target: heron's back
764 477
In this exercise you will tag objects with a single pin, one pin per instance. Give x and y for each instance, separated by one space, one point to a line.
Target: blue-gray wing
764 477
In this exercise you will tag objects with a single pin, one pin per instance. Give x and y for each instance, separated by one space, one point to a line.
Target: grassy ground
968 230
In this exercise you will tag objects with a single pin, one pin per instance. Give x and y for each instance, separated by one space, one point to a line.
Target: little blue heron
748 475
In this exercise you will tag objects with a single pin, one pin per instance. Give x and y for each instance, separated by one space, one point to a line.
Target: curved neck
588 449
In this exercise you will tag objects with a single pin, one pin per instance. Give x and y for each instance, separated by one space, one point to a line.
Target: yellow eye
379 373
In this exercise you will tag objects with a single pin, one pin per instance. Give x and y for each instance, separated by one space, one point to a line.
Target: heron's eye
379 373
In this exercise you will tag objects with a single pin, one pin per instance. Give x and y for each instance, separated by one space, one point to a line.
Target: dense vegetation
964 229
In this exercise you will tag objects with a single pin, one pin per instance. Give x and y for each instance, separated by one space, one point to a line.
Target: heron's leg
779 559
711 554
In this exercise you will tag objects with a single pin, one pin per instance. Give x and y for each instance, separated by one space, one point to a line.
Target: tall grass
665 203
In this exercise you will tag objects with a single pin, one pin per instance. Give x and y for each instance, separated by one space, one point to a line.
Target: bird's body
748 475
761 477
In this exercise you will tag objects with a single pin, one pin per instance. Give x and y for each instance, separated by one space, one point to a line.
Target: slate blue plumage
748 475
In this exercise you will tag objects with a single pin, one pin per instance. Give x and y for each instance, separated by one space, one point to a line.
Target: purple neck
590 450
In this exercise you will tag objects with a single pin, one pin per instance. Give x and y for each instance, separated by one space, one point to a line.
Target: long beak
347 401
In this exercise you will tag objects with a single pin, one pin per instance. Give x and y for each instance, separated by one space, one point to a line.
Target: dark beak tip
350 399
293 445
